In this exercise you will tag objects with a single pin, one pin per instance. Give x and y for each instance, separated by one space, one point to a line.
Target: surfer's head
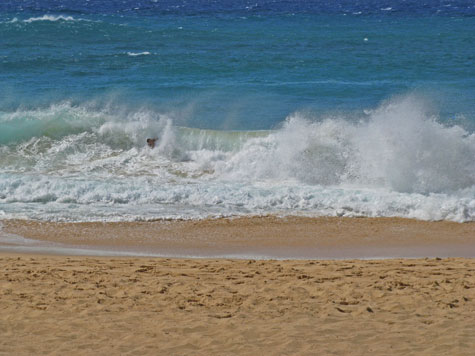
151 142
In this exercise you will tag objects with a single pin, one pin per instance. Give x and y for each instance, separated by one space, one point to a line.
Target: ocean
309 108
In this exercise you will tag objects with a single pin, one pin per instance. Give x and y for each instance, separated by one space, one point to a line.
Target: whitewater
74 163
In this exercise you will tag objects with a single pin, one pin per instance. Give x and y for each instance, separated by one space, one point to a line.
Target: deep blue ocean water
351 108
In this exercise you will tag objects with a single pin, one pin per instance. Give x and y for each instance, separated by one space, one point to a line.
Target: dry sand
136 306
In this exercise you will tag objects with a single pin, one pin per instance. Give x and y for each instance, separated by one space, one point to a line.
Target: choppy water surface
302 108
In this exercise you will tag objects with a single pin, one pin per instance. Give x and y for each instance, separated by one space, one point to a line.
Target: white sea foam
52 18
78 163
142 198
135 54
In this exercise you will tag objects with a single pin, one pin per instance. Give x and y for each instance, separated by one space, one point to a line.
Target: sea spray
411 151
398 146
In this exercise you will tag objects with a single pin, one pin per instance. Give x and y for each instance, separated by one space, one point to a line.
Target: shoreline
266 237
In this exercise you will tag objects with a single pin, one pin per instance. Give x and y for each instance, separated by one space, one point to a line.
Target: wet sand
148 306
255 237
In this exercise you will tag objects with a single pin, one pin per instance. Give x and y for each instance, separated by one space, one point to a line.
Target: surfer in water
151 142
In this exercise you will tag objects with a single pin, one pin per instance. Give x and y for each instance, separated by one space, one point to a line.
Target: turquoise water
351 108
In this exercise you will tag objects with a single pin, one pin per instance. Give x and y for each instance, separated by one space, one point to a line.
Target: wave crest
50 18
399 146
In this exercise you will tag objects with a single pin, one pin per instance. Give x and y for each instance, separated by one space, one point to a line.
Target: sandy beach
53 304
135 306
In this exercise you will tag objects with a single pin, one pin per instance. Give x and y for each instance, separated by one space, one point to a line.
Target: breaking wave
397 160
